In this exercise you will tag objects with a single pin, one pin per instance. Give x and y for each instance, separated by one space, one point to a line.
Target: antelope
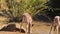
56 24
28 20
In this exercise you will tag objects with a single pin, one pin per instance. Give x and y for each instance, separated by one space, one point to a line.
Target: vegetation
54 8
14 9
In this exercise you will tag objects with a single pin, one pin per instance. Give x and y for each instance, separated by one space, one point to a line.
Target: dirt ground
37 28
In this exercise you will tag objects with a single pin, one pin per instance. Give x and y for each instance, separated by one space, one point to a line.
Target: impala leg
52 32
31 28
27 29
20 26
57 29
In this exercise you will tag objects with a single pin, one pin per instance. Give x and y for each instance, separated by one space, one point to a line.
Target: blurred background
40 10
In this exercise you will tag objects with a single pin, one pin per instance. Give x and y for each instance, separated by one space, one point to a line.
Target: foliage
53 8
16 9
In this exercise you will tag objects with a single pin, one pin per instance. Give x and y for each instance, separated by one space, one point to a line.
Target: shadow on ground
12 28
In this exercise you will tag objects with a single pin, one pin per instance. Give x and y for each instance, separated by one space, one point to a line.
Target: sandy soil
37 28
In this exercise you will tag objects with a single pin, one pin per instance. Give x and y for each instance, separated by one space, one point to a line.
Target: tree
54 7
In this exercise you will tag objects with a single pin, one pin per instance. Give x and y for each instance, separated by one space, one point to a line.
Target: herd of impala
27 18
